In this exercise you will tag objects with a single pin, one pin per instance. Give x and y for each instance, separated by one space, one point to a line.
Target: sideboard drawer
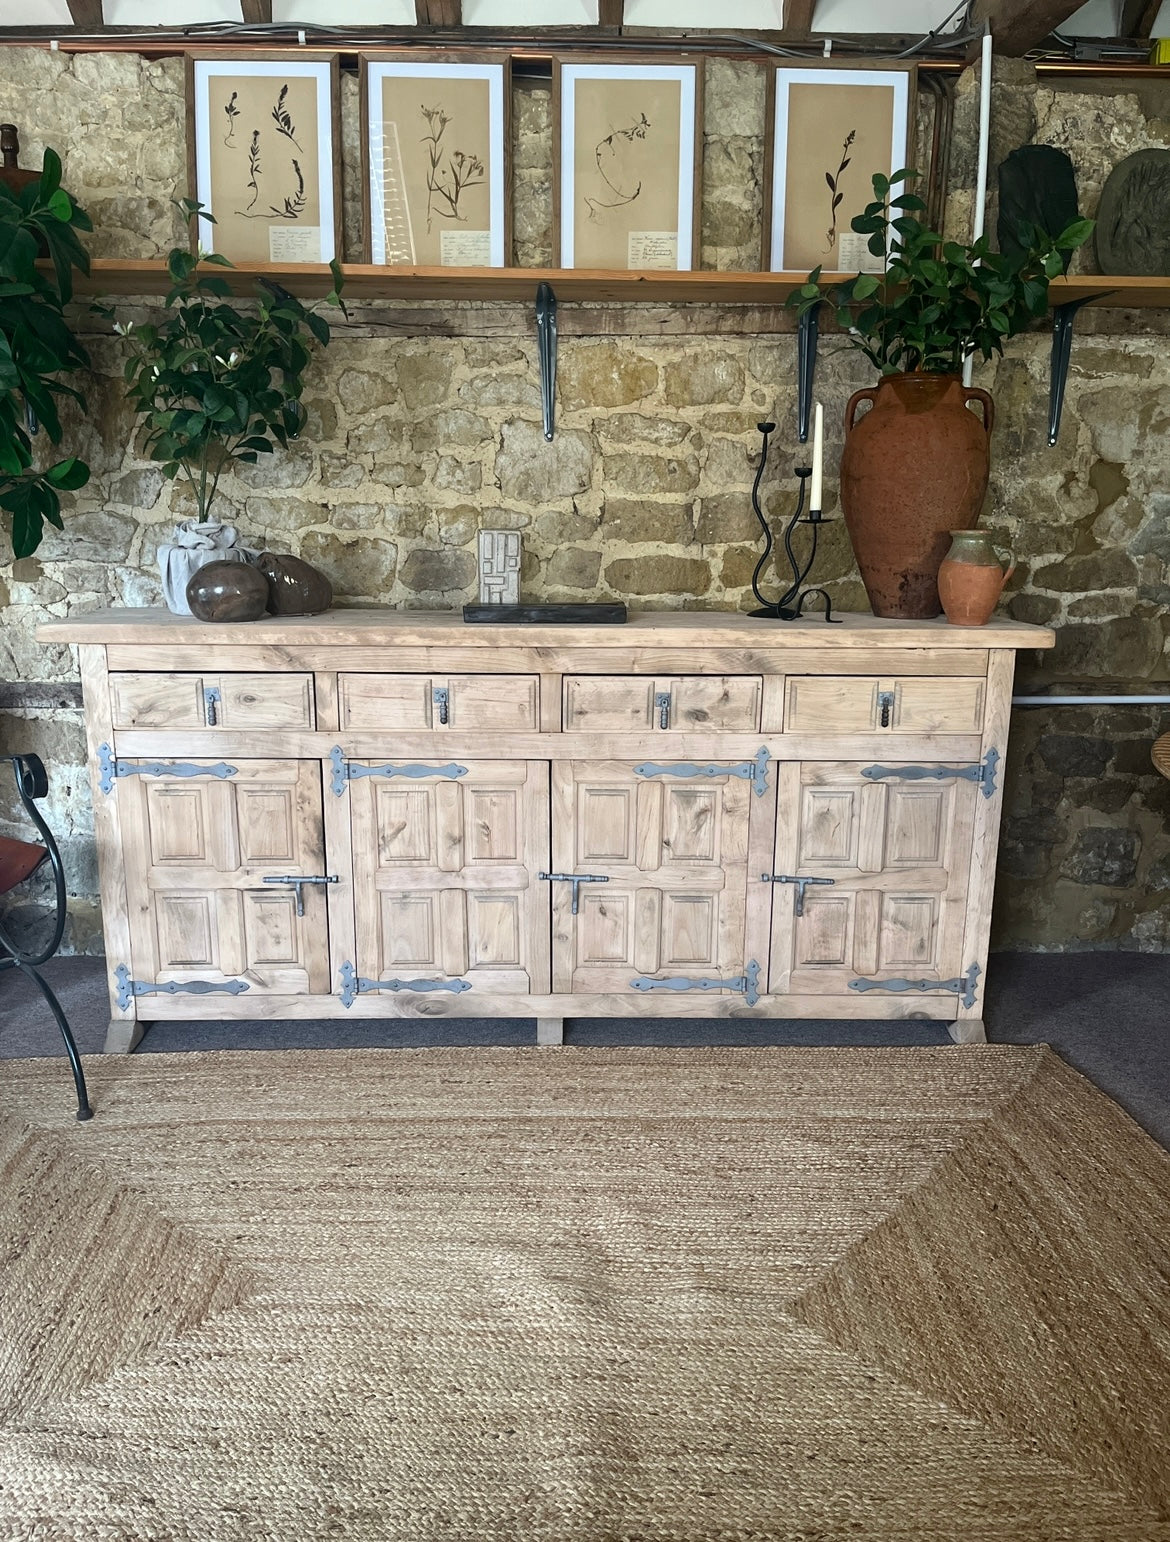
235 701
638 703
456 703
847 704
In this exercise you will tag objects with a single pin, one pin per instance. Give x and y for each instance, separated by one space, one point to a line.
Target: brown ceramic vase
295 588
971 578
914 470
227 591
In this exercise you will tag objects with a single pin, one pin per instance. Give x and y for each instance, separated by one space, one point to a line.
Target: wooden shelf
363 281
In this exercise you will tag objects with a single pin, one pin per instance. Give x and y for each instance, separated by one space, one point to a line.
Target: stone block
452 427
359 569
558 526
531 470
361 390
634 428
636 520
605 374
1075 754
654 573
702 381
573 567
457 476
651 474
439 572
727 517
424 379
1101 854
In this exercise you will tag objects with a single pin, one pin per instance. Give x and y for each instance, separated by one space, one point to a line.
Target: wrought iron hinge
747 983
754 771
212 698
296 882
128 988
111 768
800 885
984 773
349 771
576 879
441 696
354 985
964 986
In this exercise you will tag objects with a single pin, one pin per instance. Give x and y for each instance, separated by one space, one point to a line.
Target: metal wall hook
546 347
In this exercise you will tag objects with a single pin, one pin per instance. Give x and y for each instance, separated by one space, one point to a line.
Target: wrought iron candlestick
791 603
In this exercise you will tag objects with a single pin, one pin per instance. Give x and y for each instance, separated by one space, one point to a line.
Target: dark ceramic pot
227 591
295 588
914 470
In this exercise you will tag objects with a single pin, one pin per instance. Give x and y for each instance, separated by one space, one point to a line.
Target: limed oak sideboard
379 813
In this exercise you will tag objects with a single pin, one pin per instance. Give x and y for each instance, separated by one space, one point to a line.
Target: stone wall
424 425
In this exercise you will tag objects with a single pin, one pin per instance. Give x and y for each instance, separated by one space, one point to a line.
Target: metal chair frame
32 783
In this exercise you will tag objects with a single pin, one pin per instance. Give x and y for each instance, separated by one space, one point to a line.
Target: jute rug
582 1294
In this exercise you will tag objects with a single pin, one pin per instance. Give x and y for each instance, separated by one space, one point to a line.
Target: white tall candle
818 457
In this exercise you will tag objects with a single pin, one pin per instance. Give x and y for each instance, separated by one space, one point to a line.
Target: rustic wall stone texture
424 426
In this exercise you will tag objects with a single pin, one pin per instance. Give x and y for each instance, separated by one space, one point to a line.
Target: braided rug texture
574 1295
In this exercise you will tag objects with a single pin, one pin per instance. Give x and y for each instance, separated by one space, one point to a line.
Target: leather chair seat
18 861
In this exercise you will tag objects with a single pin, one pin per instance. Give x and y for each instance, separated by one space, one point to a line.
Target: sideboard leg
123 1035
550 1030
968 1030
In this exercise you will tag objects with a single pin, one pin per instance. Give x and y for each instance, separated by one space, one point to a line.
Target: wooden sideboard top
374 627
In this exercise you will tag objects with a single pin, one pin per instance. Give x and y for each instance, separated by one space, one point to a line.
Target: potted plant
916 466
218 383
37 216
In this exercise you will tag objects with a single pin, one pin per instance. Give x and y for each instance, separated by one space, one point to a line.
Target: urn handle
974 394
1007 561
855 401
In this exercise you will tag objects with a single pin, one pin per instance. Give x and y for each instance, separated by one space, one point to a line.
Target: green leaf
61 206
50 173
865 285
1075 235
68 474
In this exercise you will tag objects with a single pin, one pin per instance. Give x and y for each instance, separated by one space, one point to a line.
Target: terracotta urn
227 591
914 470
971 578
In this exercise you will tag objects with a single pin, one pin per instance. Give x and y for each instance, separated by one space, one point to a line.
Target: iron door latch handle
886 707
442 699
662 702
576 879
800 885
297 882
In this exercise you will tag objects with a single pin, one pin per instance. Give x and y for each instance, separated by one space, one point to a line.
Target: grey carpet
1108 1014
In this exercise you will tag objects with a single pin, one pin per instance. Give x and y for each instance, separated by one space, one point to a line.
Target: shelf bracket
1063 317
807 331
546 347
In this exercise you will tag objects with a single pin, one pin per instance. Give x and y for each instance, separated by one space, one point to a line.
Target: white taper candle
818 457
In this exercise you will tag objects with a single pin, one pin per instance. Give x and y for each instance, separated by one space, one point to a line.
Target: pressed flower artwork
263 146
625 175
434 151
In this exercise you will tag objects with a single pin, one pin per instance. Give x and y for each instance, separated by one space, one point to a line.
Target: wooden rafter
257 13
609 14
87 14
798 15
1138 17
1018 25
439 13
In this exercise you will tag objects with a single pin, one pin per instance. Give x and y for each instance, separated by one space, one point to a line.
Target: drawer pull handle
886 704
662 702
211 702
442 699
296 882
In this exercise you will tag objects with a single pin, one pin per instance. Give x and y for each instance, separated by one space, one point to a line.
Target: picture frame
436 177
264 155
627 161
830 127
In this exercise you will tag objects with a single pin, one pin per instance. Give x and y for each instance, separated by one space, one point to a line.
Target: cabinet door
197 849
445 874
674 853
898 857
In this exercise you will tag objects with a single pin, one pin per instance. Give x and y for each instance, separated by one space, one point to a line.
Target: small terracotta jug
971 578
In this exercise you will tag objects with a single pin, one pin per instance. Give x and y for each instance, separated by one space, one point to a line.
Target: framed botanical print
626 162
830 129
264 152
435 158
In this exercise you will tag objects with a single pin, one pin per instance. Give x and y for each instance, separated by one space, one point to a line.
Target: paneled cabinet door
445 874
198 845
673 853
887 863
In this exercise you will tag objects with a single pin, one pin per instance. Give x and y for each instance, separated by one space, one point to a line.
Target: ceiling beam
1138 17
798 15
86 13
1018 25
257 13
438 13
610 13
